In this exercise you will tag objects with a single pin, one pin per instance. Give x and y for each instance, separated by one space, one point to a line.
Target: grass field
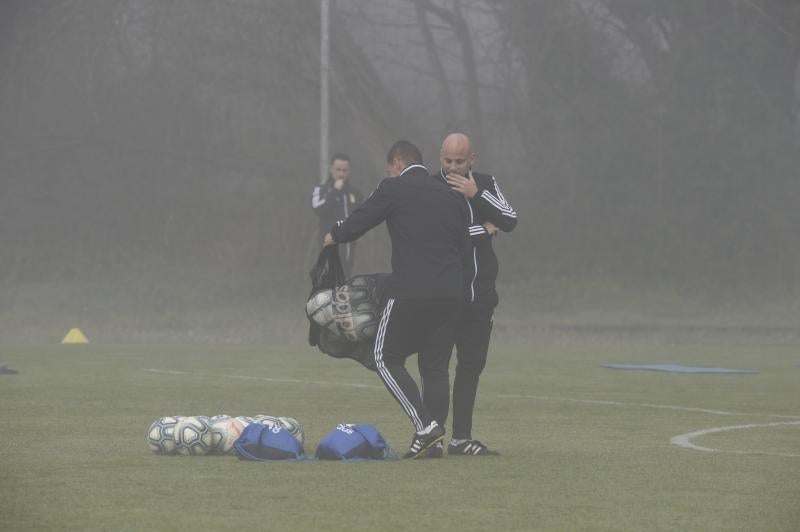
583 447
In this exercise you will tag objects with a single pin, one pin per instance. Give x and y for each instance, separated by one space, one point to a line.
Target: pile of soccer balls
199 435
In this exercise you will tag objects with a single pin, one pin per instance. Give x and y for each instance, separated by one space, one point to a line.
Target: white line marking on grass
643 405
685 440
267 379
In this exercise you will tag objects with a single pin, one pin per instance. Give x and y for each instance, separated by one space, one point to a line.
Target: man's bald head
457 142
456 154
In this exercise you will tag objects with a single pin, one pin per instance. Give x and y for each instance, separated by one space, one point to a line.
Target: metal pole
324 99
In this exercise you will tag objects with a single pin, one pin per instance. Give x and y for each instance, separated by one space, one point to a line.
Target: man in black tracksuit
334 200
427 222
488 212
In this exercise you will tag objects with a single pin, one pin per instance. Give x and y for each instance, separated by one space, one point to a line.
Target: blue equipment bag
263 442
354 442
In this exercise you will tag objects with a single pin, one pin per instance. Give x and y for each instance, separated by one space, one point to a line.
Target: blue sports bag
263 442
354 442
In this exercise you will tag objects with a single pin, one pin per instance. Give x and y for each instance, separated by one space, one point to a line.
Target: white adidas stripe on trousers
386 375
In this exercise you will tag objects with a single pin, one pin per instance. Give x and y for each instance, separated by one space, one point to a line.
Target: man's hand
490 228
465 185
328 241
338 184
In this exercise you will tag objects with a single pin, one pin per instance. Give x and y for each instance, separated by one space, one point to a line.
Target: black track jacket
332 205
427 223
488 205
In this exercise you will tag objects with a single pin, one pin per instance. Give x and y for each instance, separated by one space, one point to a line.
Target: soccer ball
160 436
350 312
269 421
290 425
319 308
245 420
194 436
293 427
355 313
226 432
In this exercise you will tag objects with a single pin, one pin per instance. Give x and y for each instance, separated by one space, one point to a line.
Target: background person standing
334 200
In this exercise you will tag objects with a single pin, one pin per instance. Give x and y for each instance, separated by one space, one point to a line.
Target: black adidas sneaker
424 440
437 451
470 448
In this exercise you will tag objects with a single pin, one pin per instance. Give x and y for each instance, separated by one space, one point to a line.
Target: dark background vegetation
157 158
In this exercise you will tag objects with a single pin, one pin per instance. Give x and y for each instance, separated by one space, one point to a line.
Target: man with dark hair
402 151
488 212
427 224
334 200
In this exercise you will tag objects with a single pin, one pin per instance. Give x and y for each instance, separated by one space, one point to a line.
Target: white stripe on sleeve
499 202
316 200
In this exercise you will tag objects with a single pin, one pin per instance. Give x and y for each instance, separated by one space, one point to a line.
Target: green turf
584 448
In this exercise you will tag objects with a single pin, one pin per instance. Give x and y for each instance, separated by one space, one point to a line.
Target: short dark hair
340 157
404 151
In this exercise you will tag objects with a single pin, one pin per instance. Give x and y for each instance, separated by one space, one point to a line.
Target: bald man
489 212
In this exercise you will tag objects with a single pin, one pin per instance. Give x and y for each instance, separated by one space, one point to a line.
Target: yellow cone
75 336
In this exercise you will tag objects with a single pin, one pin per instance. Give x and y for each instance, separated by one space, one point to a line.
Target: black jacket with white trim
488 205
427 224
332 205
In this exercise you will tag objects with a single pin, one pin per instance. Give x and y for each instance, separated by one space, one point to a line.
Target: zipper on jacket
346 214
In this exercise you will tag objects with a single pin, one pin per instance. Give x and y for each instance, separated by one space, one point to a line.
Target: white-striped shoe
437 451
424 440
470 448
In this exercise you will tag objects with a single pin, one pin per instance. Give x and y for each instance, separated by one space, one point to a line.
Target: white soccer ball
320 308
355 312
194 436
160 435
226 432
293 427
246 420
269 421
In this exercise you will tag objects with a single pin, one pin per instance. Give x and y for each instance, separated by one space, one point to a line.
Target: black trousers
427 327
473 333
